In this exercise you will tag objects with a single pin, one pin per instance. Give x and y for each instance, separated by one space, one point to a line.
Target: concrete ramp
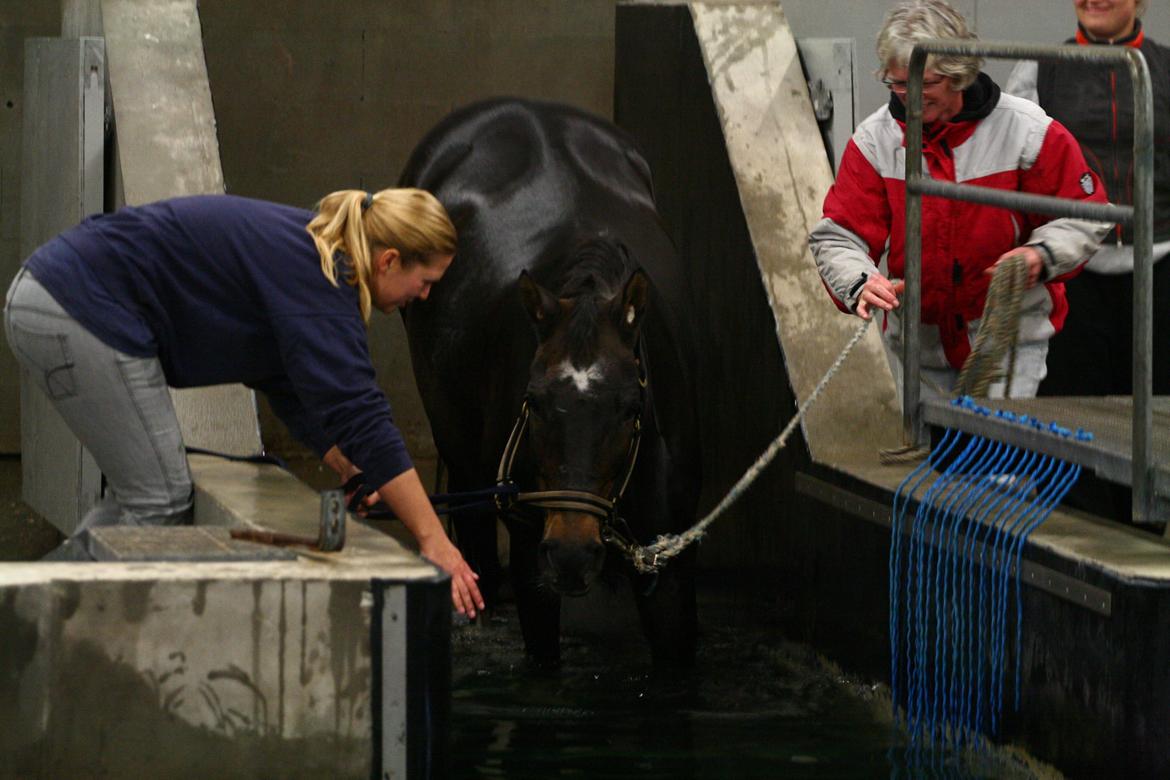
166 146
782 173
716 96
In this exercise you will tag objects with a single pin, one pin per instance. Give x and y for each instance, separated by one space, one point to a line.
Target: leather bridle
613 528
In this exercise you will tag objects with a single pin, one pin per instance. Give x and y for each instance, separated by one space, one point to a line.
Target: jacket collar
1134 39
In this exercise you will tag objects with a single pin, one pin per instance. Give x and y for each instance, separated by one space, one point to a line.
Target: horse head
584 398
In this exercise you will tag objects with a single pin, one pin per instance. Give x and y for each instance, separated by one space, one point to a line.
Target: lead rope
652 557
998 334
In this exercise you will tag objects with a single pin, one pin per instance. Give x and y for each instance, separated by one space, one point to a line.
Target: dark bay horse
565 317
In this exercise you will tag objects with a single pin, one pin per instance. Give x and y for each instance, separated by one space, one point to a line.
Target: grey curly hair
914 20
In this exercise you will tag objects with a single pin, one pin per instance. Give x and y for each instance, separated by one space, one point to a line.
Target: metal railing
1140 215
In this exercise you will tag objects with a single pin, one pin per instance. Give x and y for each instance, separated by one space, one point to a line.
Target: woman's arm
852 234
1065 243
405 496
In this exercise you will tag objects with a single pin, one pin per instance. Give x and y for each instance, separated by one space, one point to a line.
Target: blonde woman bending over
211 289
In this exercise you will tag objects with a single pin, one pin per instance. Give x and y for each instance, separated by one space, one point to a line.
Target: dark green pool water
756 706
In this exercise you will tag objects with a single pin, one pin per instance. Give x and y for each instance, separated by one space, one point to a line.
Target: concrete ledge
232 493
1121 552
274 668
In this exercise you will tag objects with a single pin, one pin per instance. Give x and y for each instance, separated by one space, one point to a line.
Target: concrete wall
309 98
228 670
19 19
342 101
187 678
344 96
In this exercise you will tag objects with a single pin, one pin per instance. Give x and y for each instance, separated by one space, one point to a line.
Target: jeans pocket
47 356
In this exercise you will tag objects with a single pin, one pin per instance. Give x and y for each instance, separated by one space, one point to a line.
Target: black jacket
1095 102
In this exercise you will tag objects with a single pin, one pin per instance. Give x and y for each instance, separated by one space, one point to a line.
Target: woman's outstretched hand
465 595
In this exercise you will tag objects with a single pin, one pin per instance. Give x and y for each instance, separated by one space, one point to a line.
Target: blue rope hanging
952 564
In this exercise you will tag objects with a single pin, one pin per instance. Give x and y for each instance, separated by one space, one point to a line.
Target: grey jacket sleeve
1022 81
842 260
1067 243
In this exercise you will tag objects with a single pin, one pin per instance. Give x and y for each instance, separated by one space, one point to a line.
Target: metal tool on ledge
330 537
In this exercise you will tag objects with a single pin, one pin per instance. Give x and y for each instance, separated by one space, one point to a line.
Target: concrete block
309 667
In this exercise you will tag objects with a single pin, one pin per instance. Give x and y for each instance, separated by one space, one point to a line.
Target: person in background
1093 355
973 134
213 289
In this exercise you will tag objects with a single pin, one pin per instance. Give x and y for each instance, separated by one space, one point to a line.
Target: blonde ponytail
357 224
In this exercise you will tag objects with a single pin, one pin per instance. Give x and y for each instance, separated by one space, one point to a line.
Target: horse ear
541 305
633 303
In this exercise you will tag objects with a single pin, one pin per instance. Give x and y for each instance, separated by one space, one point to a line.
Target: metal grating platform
1110 452
177 543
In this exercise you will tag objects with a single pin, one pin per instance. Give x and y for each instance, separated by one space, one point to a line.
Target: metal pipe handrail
1140 214
1023 201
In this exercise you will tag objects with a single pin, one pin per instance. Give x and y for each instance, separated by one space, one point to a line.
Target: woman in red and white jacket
973 134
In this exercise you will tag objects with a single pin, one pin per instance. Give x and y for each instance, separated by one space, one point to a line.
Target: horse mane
598 271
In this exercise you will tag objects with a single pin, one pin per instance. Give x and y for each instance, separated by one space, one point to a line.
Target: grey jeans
118 406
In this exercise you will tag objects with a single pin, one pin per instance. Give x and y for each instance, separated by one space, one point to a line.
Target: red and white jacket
996 141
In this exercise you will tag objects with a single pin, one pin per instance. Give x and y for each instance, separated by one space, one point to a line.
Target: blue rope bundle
953 565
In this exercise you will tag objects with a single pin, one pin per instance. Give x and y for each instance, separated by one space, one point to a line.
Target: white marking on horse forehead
582 377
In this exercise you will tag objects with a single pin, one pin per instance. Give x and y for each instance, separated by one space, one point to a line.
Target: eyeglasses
901 86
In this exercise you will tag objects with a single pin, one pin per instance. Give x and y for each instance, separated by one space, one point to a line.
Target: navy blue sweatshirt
228 289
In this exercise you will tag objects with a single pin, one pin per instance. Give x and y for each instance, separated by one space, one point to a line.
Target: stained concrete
219 669
740 174
226 669
19 19
167 147
782 174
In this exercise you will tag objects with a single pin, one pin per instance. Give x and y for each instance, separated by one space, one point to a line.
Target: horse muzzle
571 552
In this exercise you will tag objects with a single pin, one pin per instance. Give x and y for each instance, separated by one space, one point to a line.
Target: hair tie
367 201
